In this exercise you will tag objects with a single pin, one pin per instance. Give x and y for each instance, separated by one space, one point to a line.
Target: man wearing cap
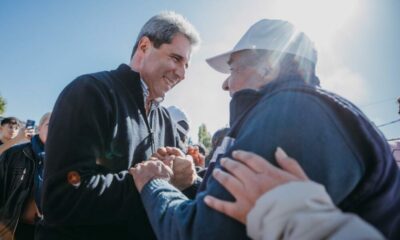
276 101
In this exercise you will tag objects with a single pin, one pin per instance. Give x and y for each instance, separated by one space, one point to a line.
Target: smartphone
30 124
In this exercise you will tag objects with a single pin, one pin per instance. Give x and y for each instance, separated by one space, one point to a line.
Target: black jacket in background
17 171
97 131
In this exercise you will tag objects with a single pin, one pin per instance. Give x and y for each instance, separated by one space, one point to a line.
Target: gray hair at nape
44 118
291 66
162 27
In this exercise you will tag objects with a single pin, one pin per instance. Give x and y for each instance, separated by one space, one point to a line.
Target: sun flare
320 19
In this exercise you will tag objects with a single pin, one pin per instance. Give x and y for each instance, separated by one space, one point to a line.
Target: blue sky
44 45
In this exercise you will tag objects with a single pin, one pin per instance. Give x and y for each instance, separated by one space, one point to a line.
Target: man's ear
271 73
144 44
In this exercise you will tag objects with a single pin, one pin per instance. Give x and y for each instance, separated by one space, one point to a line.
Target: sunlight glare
320 19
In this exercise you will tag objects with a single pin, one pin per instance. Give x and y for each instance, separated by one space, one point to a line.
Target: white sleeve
303 210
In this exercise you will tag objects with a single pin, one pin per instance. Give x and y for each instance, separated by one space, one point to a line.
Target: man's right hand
184 172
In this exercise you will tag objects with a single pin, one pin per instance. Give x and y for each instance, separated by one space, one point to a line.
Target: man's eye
175 59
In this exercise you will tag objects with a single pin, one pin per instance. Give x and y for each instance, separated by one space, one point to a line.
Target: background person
12 133
21 176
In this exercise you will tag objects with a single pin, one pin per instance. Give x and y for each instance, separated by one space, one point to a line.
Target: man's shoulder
105 79
290 101
15 151
91 78
87 83
300 111
20 147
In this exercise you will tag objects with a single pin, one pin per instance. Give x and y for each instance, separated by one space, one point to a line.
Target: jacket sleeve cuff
155 184
191 191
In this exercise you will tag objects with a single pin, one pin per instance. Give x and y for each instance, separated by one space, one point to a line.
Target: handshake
167 163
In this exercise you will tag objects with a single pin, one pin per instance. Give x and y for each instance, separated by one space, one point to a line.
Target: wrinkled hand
249 178
162 155
184 172
143 172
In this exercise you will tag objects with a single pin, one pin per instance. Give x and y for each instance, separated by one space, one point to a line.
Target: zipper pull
23 174
153 147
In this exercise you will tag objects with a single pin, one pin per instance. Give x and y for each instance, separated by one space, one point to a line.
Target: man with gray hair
277 102
106 122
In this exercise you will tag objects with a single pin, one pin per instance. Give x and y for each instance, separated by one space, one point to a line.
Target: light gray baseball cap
273 35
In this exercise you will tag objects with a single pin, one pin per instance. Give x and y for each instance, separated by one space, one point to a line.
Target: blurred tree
3 104
204 136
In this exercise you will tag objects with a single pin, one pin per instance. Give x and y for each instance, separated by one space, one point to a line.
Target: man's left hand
143 172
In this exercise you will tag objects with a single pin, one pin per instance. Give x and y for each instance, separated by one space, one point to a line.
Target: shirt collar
154 103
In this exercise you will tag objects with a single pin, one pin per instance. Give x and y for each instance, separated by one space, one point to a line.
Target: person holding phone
12 133
21 175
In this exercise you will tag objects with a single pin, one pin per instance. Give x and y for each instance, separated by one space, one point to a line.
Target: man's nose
181 71
225 85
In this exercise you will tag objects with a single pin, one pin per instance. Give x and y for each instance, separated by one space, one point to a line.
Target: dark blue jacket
97 131
332 140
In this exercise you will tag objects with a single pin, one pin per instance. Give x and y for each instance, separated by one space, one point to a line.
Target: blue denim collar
38 147
246 98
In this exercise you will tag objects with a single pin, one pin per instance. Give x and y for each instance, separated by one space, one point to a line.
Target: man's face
43 129
164 67
9 131
242 76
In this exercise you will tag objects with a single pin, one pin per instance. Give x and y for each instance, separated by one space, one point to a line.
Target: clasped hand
167 163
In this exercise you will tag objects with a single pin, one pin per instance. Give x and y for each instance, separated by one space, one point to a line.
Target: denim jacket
332 140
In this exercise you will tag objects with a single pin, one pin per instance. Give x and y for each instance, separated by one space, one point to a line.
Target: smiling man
106 122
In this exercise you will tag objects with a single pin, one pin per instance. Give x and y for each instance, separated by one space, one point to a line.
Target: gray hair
290 64
163 27
44 118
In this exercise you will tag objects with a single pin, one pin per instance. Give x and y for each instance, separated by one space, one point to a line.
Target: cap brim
220 62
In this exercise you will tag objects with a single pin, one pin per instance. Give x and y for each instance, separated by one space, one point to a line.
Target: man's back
335 144
321 130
